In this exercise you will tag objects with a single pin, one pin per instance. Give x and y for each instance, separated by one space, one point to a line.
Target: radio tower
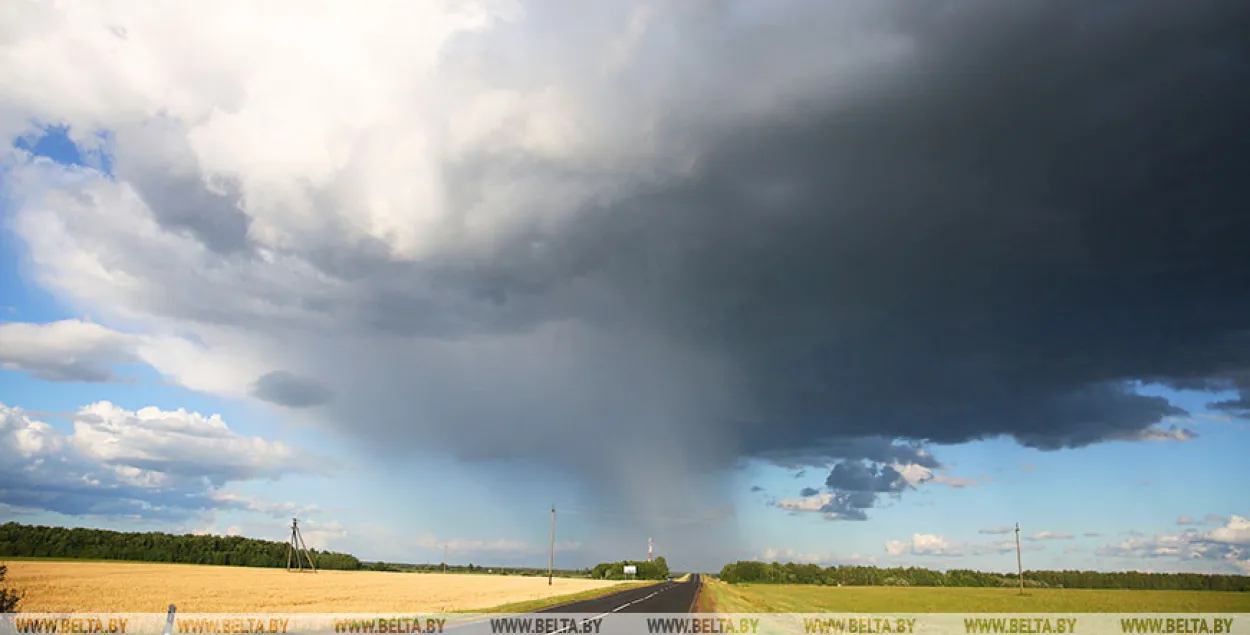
649 546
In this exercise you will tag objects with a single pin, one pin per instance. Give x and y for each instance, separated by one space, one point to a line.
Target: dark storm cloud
855 486
860 477
994 219
849 505
876 449
1039 205
290 390
1239 406
178 193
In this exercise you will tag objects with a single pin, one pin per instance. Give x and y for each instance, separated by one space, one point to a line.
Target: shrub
9 598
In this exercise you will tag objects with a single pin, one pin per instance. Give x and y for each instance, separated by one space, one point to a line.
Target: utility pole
444 557
297 547
551 560
1019 563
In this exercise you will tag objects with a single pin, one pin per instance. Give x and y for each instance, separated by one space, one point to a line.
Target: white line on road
642 599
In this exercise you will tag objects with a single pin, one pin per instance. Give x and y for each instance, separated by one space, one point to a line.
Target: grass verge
534 605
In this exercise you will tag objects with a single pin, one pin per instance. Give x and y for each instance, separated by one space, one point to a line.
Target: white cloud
924 545
822 558
151 463
1225 546
1186 520
916 475
913 473
1215 417
1050 535
957 482
1160 433
1235 532
76 350
317 534
496 546
321 535
277 509
180 443
1149 547
997 530
345 125
938 545
805 503
69 350
933 545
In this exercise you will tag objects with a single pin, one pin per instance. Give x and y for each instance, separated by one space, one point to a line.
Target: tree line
21 540
791 573
400 567
655 570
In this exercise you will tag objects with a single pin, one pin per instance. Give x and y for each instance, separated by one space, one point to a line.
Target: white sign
631 569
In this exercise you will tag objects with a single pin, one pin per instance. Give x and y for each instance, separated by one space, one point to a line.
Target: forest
100 544
400 567
656 570
791 573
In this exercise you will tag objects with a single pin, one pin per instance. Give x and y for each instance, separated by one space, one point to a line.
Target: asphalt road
665 597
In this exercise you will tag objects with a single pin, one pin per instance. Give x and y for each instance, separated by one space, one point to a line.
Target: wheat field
150 588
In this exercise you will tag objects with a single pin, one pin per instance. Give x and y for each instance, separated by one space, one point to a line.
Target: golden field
126 587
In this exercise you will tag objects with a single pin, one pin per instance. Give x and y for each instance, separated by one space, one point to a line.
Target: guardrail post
169 620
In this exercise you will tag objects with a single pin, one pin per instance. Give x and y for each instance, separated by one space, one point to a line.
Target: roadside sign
631 569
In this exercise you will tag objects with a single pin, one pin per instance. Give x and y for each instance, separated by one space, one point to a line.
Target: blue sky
420 305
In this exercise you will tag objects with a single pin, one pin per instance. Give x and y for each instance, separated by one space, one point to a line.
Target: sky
857 282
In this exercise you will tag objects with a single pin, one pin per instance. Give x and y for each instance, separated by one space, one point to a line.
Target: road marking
485 620
626 605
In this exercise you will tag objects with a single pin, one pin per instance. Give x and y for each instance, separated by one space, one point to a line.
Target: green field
721 597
